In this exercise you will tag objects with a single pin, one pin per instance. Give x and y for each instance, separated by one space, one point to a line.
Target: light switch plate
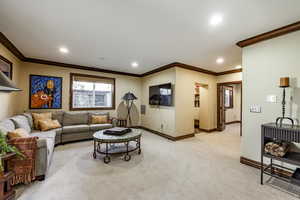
255 109
271 99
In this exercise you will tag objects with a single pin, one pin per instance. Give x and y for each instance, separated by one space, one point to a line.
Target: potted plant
6 148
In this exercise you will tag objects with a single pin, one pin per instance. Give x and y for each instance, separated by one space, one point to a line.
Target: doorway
229 105
201 109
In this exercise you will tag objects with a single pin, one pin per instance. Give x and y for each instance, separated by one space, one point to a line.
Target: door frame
218 100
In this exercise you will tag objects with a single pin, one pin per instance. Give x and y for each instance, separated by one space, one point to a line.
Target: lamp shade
129 96
6 85
285 82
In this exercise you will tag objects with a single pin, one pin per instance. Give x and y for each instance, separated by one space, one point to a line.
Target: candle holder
284 83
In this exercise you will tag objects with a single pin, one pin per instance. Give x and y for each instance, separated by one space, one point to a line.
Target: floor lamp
129 98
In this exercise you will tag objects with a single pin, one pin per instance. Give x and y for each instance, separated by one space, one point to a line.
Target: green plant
6 148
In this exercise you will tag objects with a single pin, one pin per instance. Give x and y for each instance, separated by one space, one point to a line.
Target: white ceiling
151 32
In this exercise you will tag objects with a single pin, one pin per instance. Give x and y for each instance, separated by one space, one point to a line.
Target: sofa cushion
97 113
59 116
46 142
98 127
48 124
21 121
57 131
18 133
76 129
75 118
29 118
99 119
45 138
40 116
6 126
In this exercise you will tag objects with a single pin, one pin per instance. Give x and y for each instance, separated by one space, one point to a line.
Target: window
91 92
228 97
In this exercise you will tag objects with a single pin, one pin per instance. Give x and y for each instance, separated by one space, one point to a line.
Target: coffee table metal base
111 148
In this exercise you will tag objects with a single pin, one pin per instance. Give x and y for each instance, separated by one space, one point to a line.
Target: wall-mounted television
161 95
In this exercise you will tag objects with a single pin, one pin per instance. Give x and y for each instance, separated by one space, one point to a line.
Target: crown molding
59 64
229 72
11 47
269 35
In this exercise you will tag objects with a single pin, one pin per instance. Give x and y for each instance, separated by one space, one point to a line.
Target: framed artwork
6 67
45 92
228 97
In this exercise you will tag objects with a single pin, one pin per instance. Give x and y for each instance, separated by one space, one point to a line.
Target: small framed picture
6 67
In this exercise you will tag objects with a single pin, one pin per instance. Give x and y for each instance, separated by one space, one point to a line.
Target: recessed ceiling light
238 67
63 50
216 19
134 64
220 60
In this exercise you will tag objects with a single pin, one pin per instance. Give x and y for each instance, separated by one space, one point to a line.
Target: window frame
72 75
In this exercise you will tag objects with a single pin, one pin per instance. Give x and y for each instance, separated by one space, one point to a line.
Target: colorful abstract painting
45 92
6 67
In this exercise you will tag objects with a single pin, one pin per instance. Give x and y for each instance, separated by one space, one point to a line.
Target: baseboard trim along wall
255 164
208 130
165 135
233 122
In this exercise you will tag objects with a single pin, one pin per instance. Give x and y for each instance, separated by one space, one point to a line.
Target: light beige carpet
205 167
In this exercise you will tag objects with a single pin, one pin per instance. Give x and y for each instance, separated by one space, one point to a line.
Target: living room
76 74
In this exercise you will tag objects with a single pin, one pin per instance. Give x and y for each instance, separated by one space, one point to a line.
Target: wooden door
221 108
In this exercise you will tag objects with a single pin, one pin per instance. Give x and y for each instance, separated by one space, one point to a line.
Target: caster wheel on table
140 151
127 157
106 159
94 155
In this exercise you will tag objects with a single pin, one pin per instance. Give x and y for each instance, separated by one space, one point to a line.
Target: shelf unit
6 190
287 133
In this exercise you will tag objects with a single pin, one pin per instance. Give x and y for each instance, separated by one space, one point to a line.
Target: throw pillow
48 124
99 119
18 133
40 116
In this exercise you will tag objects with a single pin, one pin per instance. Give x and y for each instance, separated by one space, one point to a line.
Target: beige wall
230 77
263 65
159 118
184 97
176 120
179 119
234 114
10 101
123 84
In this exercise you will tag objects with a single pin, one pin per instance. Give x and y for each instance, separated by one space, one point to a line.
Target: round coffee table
114 144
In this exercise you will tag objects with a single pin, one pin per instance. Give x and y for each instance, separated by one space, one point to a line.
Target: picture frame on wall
6 67
45 92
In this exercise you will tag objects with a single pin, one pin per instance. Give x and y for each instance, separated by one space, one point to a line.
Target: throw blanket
24 168
277 149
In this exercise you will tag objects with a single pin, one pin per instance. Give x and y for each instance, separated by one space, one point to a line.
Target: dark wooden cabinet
6 190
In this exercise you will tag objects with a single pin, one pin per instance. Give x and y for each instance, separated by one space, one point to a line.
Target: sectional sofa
76 126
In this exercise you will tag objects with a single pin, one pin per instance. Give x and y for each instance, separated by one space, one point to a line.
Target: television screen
161 95
154 95
165 91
